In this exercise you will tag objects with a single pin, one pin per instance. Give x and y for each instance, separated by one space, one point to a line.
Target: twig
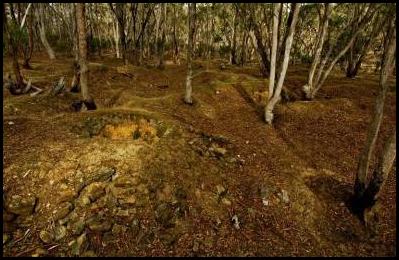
53 247
27 172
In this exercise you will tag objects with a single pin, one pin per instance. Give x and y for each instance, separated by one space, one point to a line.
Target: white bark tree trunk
188 98
43 38
277 90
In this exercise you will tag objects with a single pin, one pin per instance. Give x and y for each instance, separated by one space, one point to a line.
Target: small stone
46 236
100 226
60 232
119 229
265 202
247 142
284 196
5 238
126 182
226 202
39 252
219 151
195 246
127 201
11 122
94 191
342 204
62 211
220 190
78 227
79 244
235 221
100 175
22 205
66 195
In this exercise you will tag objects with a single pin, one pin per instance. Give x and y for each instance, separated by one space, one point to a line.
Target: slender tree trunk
317 55
233 60
163 37
27 57
14 52
274 51
39 14
365 156
288 43
81 23
191 10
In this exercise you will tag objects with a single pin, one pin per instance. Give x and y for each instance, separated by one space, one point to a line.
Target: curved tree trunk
43 38
365 156
288 43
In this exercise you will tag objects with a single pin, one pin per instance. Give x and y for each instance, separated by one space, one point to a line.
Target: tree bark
81 24
39 15
288 43
365 156
191 10
163 37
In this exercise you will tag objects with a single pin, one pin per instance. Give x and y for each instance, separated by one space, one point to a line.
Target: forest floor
146 174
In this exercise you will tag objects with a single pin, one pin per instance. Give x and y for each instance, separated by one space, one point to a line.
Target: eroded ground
146 174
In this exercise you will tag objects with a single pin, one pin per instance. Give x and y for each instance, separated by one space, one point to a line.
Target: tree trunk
317 56
365 156
28 56
39 15
163 37
233 59
288 43
191 10
81 23
14 52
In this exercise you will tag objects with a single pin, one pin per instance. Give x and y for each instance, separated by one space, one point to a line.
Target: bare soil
146 174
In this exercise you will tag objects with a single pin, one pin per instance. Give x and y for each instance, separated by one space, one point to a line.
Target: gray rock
100 226
126 181
22 205
94 191
236 222
101 175
78 227
66 195
284 196
62 211
46 236
59 232
78 245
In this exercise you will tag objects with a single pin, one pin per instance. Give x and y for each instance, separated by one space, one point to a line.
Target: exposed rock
235 221
118 229
83 200
79 244
39 252
95 190
22 205
100 226
66 195
219 151
221 191
226 202
46 236
127 201
59 232
101 175
77 227
62 211
126 181
284 196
